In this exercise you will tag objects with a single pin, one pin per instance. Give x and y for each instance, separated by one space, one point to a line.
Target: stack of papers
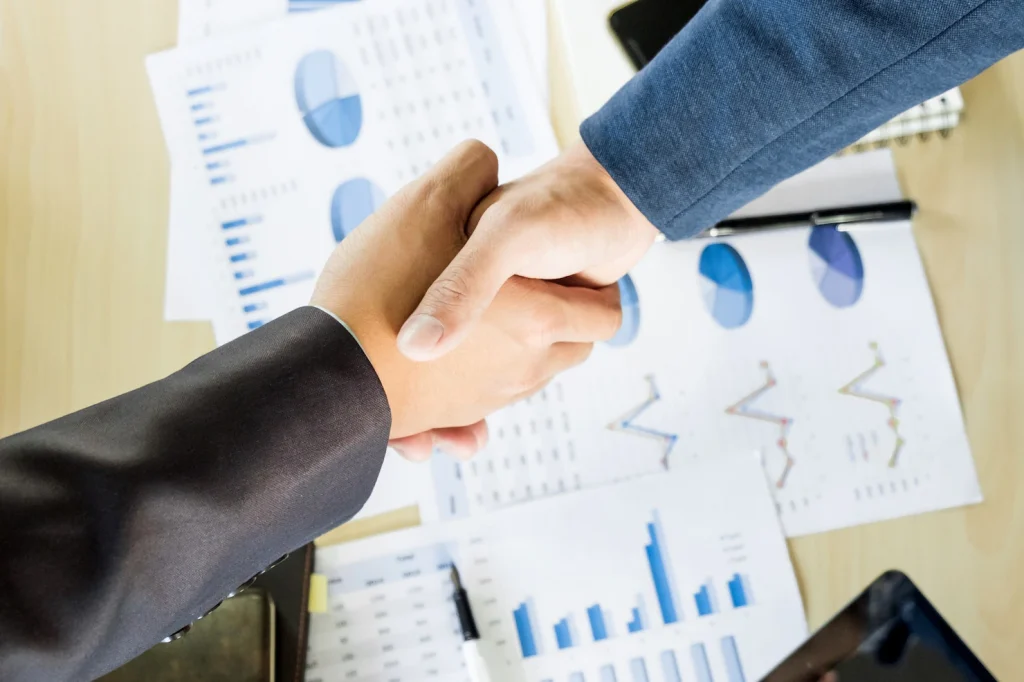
231 119
677 577
620 522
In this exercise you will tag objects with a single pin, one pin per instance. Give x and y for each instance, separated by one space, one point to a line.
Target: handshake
466 296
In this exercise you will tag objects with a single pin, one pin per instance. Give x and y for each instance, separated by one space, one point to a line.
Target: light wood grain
83 212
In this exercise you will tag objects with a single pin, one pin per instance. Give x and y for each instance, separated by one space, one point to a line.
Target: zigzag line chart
855 388
626 424
744 408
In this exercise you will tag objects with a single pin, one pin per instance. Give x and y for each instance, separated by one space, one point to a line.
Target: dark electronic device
890 633
645 26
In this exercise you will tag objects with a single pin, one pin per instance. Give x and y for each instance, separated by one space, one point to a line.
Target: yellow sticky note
317 593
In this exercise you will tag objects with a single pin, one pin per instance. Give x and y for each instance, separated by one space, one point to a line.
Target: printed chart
353 202
726 286
836 265
848 401
328 98
656 575
274 124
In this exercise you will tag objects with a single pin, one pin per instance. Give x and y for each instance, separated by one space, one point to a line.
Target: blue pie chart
630 303
353 202
836 265
726 287
328 98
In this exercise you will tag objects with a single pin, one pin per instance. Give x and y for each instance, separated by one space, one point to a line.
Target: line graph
626 424
855 388
744 408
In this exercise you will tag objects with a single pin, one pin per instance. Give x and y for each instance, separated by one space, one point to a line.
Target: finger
548 312
462 442
415 448
457 299
457 183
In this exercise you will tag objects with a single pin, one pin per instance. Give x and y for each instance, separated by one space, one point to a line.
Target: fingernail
419 337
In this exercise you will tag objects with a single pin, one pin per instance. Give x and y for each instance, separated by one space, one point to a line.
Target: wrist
378 344
580 159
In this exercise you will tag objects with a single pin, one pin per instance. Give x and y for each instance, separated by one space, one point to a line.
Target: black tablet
890 633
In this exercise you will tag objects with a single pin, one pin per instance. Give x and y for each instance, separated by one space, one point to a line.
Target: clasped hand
494 328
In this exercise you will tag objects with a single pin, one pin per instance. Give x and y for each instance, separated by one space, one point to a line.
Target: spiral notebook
937 116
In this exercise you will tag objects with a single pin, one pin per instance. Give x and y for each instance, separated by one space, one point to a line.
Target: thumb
456 300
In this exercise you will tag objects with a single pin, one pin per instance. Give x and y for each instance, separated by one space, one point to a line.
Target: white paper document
676 577
820 350
299 129
189 279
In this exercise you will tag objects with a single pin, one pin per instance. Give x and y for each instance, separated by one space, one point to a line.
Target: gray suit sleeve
123 522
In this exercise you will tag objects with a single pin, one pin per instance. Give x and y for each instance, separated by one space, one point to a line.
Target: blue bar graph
205 120
235 241
255 324
239 257
274 283
243 274
657 558
597 625
227 146
670 667
253 307
525 629
731 654
199 106
635 625
241 222
739 591
607 673
639 670
206 137
203 90
312 5
563 634
214 165
639 622
701 668
706 600
236 144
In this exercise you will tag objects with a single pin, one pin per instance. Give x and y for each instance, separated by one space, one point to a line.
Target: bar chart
597 586
665 666
599 618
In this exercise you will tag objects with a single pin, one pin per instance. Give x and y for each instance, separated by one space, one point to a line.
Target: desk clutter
629 521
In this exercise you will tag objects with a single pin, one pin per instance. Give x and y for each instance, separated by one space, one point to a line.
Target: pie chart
726 287
353 202
836 265
630 303
328 99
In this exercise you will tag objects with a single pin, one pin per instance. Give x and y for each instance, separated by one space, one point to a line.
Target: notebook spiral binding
936 117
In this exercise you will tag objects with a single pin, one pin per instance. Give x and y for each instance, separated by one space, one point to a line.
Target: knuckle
452 290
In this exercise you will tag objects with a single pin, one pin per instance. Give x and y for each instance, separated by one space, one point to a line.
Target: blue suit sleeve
754 91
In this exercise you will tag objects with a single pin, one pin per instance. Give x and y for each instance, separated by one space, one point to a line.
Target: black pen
843 215
475 663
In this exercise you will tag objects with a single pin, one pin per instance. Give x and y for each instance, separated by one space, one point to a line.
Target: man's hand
531 331
567 219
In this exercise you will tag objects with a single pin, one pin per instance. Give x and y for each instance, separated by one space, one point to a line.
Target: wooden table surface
83 220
